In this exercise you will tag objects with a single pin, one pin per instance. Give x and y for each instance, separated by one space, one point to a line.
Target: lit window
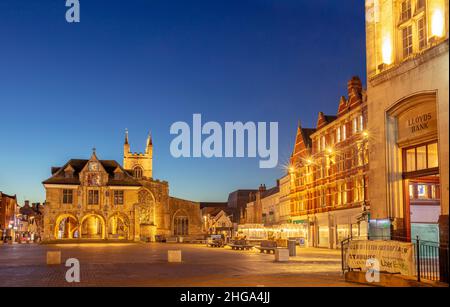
422 34
355 125
433 155
361 123
405 10
421 157
407 41
338 134
422 190
344 133
323 142
411 160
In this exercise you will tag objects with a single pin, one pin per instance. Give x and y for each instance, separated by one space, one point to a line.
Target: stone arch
118 226
95 227
70 226
180 223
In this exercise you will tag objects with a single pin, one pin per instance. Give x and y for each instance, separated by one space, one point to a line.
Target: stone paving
134 264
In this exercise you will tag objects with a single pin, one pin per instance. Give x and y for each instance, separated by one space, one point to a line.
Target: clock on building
93 166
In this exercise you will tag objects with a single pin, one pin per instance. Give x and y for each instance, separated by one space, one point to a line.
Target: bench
267 246
240 245
216 243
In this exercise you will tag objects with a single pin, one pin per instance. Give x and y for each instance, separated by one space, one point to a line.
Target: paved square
129 264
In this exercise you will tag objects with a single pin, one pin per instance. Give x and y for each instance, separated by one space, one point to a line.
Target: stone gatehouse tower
102 200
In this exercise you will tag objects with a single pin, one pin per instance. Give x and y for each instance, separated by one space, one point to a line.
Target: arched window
181 226
137 172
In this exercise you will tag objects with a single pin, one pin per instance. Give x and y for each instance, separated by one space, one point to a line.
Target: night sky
145 64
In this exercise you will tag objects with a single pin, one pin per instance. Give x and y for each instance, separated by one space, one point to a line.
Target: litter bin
292 244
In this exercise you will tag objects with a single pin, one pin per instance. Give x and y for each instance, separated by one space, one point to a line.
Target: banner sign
393 256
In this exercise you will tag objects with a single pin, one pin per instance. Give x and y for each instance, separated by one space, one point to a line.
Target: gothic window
181 226
137 172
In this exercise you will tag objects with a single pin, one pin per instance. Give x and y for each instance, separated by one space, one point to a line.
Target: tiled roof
58 176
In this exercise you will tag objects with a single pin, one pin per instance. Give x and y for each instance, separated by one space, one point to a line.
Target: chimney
354 86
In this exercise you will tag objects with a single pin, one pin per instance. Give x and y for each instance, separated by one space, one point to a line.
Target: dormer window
68 171
118 174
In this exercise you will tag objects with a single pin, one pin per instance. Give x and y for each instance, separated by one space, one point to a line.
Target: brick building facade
328 171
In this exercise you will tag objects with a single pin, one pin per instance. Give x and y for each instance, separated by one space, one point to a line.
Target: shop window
432 155
411 160
421 157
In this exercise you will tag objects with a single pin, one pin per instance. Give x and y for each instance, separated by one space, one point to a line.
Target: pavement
139 264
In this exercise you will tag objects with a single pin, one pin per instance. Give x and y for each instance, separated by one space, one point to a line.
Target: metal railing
431 259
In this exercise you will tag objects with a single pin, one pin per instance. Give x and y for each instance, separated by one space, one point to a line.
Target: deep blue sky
144 64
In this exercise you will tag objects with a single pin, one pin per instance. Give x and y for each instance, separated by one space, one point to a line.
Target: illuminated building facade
408 107
8 206
328 170
100 199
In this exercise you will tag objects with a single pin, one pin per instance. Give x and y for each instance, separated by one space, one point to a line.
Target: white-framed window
405 10
354 125
422 33
407 40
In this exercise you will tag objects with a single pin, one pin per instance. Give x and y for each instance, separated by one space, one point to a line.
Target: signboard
417 122
393 256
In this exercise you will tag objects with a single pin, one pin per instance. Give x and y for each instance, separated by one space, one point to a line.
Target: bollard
174 256
53 257
281 254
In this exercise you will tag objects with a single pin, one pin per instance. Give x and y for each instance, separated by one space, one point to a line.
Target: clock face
93 166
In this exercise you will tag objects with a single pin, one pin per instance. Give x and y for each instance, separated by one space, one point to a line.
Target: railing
431 259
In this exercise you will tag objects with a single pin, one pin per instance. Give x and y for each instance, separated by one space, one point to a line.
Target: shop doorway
422 192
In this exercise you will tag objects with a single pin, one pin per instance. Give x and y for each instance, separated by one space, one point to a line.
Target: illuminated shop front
258 232
408 106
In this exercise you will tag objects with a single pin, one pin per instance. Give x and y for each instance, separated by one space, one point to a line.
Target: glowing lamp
386 50
437 23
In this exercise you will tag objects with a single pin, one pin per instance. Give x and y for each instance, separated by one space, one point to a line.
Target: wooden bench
216 243
240 245
267 246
